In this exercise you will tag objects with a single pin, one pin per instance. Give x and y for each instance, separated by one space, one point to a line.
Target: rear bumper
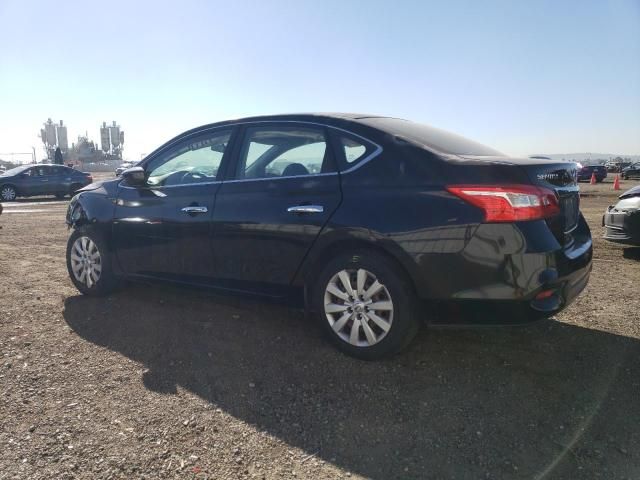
512 274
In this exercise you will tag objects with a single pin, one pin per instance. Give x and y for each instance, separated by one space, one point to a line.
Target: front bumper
621 226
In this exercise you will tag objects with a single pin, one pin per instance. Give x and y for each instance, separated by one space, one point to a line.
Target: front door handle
194 209
306 209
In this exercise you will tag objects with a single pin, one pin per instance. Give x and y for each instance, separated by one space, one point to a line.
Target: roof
305 116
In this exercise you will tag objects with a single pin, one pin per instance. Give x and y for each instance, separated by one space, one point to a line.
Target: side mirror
134 176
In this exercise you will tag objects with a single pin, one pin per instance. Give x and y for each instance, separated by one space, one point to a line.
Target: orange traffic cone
593 178
616 182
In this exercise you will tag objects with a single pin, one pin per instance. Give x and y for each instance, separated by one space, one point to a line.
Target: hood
91 186
633 192
107 187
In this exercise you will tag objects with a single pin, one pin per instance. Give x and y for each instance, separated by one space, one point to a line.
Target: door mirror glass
134 176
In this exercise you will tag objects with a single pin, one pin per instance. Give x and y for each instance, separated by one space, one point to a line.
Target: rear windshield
439 140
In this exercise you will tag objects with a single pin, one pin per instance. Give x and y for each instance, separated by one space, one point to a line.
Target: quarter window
283 152
196 160
353 150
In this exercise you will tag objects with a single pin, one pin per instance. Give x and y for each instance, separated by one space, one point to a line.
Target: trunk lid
561 177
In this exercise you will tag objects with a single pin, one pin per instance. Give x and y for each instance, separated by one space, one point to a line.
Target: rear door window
272 152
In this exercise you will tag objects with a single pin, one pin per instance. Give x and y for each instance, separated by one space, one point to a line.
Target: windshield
16 170
440 140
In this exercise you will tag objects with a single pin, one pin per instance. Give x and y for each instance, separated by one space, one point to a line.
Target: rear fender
336 241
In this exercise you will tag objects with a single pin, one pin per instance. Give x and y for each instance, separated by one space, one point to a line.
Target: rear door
59 179
277 196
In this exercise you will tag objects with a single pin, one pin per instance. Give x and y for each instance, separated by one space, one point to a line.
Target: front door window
195 160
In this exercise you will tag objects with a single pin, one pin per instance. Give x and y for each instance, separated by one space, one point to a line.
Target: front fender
92 208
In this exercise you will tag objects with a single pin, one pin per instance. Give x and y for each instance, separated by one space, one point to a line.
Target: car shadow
631 253
549 400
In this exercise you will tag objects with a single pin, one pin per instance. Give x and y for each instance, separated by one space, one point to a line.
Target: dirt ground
161 382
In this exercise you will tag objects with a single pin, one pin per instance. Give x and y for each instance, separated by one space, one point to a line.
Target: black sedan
622 220
632 171
31 180
371 223
585 173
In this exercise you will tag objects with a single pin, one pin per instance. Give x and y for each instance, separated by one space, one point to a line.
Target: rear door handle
194 209
306 209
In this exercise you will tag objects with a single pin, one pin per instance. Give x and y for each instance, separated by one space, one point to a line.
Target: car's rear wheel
74 187
366 305
89 263
8 193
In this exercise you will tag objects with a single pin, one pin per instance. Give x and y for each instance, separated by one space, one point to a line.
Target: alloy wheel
86 262
358 307
8 194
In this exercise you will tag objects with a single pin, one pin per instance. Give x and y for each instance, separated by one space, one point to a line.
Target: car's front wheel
8 193
366 305
89 263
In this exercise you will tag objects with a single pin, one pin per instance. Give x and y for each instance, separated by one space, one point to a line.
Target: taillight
509 203
90 178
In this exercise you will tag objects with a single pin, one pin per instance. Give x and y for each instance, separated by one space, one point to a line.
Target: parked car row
31 180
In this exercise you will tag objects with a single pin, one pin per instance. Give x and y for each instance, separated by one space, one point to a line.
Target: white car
123 167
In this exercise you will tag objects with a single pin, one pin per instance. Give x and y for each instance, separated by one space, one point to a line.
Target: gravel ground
161 382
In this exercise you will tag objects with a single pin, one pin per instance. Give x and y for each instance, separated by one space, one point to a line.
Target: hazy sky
521 76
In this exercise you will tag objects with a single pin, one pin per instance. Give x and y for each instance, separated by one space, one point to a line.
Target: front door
34 181
163 228
279 194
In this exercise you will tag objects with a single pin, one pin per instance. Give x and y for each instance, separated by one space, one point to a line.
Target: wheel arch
94 211
320 255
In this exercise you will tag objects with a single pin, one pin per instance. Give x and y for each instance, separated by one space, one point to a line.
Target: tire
98 278
8 193
74 187
382 331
